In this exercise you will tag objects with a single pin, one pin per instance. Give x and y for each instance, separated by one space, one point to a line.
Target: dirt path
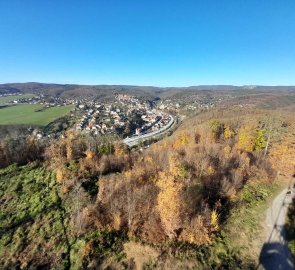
275 254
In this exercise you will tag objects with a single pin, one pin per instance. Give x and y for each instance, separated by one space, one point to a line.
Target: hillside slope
88 204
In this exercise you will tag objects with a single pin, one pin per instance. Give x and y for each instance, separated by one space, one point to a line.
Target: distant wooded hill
147 92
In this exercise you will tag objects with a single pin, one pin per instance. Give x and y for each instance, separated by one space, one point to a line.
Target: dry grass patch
140 254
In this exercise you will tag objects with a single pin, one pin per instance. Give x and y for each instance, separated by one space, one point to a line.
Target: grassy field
5 100
36 227
29 115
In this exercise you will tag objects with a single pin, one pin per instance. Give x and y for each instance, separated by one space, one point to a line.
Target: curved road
275 254
136 139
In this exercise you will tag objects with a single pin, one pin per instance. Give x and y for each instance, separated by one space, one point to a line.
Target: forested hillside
81 203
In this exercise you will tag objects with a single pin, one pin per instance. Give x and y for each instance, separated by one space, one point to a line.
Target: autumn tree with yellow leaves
228 133
169 198
246 139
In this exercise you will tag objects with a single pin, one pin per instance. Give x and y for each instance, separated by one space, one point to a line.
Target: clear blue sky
148 42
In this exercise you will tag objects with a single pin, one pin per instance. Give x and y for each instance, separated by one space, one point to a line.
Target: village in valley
126 115
121 114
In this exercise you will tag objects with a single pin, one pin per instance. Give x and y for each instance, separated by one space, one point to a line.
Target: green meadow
7 99
28 114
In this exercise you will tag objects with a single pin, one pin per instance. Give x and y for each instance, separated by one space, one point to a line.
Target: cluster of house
131 103
170 105
46 101
19 98
52 101
190 104
155 120
100 118
11 94
105 118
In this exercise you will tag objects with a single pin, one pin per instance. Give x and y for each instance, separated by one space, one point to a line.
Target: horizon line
155 86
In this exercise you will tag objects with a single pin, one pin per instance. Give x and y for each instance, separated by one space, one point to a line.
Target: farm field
5 100
29 115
